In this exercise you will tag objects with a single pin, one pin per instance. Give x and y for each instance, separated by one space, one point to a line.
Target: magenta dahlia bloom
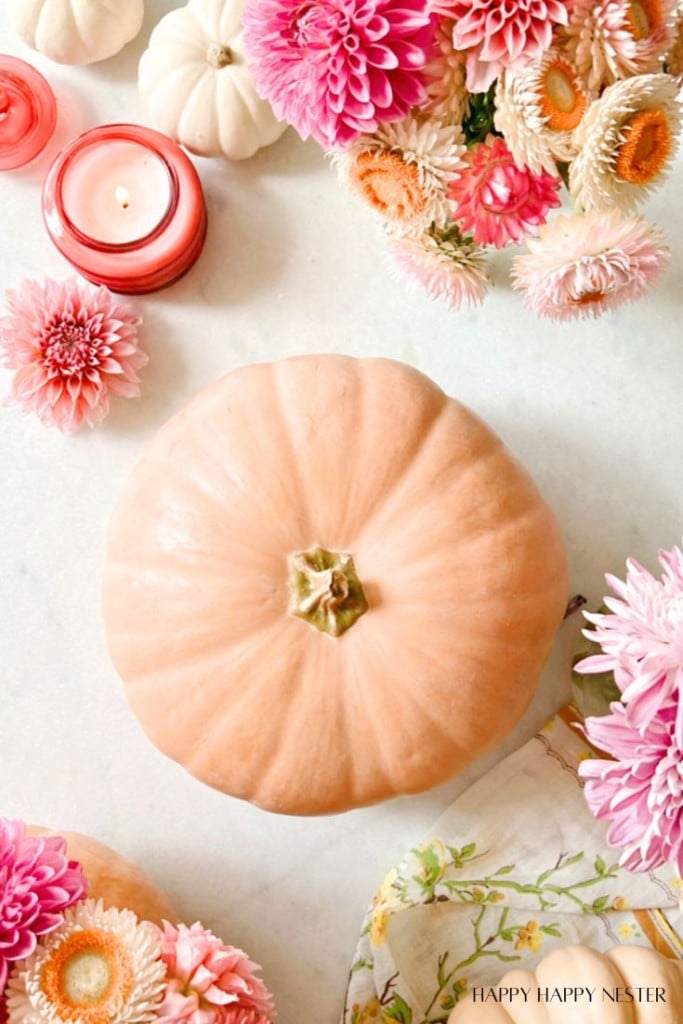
37 883
72 345
642 640
641 791
209 982
498 34
497 201
335 68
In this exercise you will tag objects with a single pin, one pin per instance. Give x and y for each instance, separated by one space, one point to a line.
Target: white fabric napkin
516 867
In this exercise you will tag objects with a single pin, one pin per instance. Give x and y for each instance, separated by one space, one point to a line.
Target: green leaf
397 1010
592 694
600 866
478 122
551 929
507 934
505 870
600 903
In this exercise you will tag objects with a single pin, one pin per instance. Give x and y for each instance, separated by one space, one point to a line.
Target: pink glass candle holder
125 206
28 113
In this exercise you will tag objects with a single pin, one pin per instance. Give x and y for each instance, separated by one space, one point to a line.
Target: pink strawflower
584 264
335 68
642 639
498 34
497 201
37 883
641 791
72 345
445 265
209 982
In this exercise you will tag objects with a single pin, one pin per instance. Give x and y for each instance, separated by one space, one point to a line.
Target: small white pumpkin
76 31
196 85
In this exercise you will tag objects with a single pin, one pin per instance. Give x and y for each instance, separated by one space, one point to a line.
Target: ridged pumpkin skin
76 31
112 878
461 562
572 966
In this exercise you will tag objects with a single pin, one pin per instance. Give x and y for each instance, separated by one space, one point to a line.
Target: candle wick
122 197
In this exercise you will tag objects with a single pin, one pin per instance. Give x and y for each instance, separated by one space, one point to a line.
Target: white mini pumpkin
76 31
196 85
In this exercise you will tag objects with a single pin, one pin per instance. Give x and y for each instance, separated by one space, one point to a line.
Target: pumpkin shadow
122 67
161 380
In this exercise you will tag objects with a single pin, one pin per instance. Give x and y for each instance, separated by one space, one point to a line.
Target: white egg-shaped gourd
197 87
76 31
630 985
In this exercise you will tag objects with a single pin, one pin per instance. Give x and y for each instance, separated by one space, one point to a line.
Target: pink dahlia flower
209 982
497 201
37 883
642 640
335 68
72 345
640 792
498 34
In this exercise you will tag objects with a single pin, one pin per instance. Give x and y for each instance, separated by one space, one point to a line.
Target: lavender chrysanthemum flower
641 791
642 640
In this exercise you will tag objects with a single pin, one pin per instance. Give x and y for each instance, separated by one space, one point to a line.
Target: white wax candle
116 191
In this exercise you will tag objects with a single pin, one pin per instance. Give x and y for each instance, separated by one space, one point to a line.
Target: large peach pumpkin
327 583
112 878
630 985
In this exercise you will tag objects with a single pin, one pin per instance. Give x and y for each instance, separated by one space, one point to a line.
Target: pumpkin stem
218 56
325 590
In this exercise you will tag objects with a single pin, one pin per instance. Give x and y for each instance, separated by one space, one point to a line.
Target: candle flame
122 197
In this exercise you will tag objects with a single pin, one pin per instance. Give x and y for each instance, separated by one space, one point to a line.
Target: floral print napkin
515 867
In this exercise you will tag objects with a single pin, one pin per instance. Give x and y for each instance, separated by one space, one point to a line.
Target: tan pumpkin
328 583
612 975
112 878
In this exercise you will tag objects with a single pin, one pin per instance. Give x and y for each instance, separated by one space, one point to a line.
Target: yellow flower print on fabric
529 937
370 1014
384 901
627 931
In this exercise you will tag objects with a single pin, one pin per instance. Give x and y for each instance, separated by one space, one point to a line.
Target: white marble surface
292 265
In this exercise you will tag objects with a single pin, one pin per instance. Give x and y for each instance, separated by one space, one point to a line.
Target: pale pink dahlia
72 345
335 68
642 639
584 264
37 884
498 34
496 200
209 982
641 791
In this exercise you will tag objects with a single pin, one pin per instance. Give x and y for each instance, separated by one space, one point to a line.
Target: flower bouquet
65 958
638 786
460 122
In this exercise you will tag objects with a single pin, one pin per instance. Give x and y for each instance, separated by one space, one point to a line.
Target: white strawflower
538 109
615 39
627 139
404 170
99 967
444 264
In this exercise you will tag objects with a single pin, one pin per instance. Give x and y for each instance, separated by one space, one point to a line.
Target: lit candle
28 113
124 204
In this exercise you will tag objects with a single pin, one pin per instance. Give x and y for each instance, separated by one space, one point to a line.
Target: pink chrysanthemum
584 264
445 265
642 639
335 68
640 791
498 34
209 982
496 200
37 883
72 345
